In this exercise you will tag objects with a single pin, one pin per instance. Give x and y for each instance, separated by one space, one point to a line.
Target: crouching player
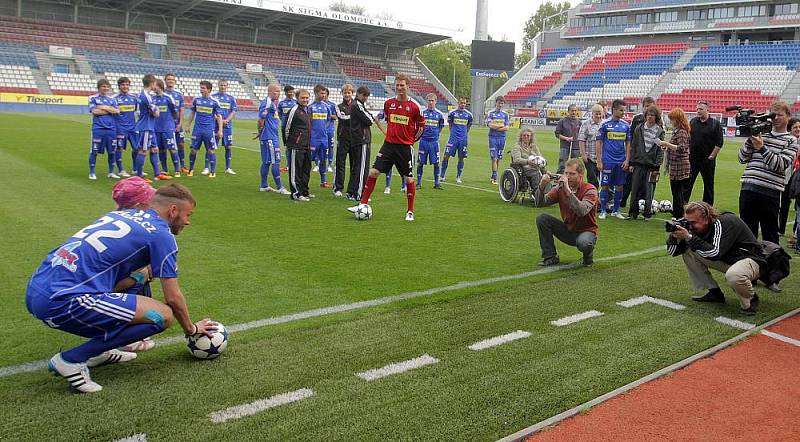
73 288
207 111
268 126
165 127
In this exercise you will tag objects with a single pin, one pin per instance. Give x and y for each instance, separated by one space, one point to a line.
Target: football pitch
465 271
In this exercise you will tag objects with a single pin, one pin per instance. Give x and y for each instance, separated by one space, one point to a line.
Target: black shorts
398 155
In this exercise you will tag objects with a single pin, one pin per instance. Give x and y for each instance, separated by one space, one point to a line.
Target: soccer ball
540 161
665 206
203 347
363 212
656 206
641 205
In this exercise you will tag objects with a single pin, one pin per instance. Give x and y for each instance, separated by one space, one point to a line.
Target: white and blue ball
203 347
665 206
363 212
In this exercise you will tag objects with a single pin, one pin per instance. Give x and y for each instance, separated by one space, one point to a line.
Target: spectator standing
705 146
567 134
678 156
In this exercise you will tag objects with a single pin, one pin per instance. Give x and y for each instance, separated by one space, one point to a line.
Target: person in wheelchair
527 165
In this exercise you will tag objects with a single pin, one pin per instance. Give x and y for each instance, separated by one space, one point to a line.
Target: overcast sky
506 17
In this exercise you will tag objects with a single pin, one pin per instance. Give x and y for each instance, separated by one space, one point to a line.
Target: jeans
548 225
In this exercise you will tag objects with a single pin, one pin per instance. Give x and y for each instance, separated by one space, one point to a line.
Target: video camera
750 124
672 226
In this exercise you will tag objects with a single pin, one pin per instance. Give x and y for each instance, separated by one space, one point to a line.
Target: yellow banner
7 97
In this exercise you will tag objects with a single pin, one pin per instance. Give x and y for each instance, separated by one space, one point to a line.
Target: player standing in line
320 115
498 122
165 127
73 288
104 128
360 142
206 109
405 124
331 130
429 143
180 138
126 123
284 106
613 141
343 137
268 128
145 130
460 121
296 135
227 105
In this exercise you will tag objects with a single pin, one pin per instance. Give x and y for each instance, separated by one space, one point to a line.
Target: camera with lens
749 123
672 225
555 176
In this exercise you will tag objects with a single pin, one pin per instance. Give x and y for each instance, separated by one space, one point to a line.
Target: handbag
793 187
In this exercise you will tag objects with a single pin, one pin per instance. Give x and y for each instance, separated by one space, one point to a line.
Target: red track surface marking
789 328
747 392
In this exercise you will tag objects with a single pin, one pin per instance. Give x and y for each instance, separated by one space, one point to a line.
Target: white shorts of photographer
740 275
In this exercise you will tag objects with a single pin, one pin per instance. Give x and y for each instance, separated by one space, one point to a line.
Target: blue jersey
434 122
268 110
284 106
227 105
460 120
165 122
146 111
614 134
105 121
178 97
98 256
380 116
332 109
320 114
500 117
126 119
205 111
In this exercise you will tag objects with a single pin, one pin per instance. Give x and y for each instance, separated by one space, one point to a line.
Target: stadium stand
18 79
71 84
44 33
195 48
420 86
357 67
536 82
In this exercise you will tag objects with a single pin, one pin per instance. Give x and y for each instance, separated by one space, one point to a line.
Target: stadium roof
287 17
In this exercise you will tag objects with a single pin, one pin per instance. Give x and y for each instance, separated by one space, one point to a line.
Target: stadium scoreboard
493 59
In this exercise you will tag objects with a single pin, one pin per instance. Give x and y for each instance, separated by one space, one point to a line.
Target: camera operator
707 240
577 201
766 158
705 145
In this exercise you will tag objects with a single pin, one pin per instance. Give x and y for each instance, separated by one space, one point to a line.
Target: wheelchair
515 187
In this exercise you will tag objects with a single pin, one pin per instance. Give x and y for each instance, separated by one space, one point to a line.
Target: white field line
499 340
783 338
576 318
397 367
240 411
735 323
27 367
649 299
628 303
461 185
139 437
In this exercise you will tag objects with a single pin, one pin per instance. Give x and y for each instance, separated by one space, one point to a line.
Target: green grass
249 255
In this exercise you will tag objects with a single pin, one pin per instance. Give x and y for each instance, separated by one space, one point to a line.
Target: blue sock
175 161
111 157
389 179
460 167
264 172
228 156
154 162
419 173
182 156
134 154
92 161
436 170
212 161
138 164
444 167
323 176
128 334
192 159
162 157
617 199
208 160
118 159
276 175
603 199
494 175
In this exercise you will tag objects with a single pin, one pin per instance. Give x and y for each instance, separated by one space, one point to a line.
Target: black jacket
728 240
640 155
297 131
343 116
360 122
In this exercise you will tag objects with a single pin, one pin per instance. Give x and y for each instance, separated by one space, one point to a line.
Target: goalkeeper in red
405 124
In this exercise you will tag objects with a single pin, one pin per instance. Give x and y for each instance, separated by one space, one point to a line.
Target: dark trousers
706 169
786 204
342 150
548 225
641 188
359 169
760 210
299 171
626 190
591 173
678 188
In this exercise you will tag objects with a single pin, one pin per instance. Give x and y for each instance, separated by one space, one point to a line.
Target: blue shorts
104 141
165 140
319 150
428 152
612 175
227 136
207 138
270 152
90 315
145 140
496 146
459 147
331 134
125 137
180 137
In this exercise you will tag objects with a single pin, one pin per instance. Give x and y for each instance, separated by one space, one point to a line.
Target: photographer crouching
577 201
707 240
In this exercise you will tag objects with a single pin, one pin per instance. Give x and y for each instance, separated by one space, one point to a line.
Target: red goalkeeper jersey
403 120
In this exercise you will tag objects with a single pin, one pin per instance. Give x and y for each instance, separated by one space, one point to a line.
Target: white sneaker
76 374
330 169
311 195
205 171
353 209
301 198
113 175
282 191
230 171
601 215
387 191
124 174
92 176
144 174
337 194
458 180
265 189
111 357
441 179
409 216
618 215
315 169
